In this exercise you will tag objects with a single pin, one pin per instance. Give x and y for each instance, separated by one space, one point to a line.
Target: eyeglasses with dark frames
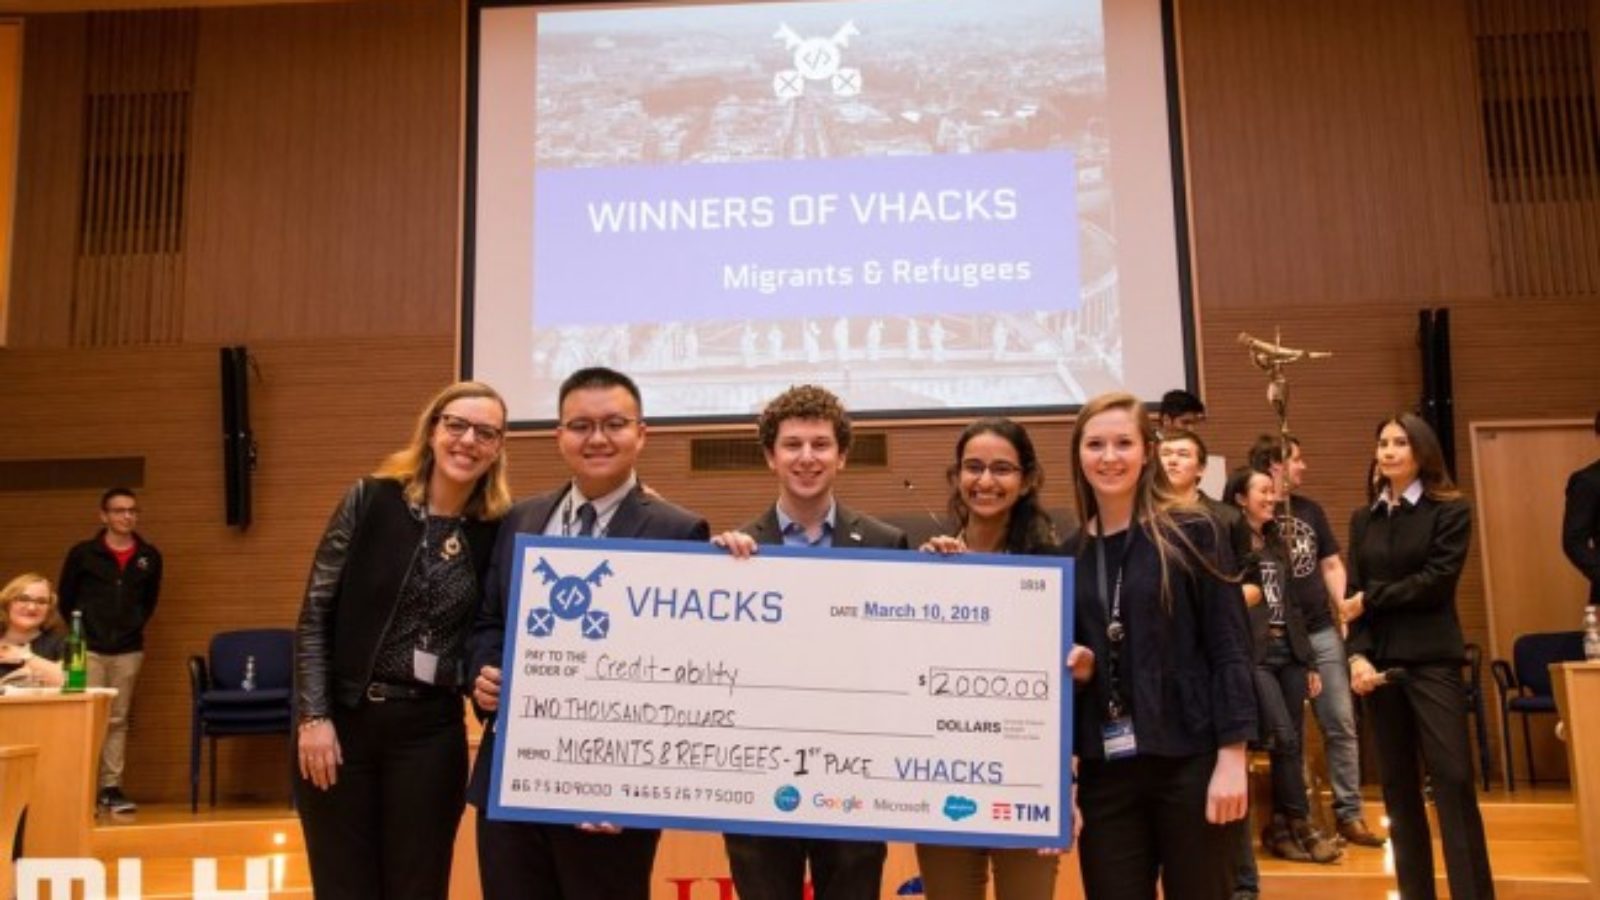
457 427
610 425
999 468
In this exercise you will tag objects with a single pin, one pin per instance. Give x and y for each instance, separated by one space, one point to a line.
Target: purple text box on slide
590 269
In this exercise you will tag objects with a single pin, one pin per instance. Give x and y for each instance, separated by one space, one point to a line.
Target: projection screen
933 207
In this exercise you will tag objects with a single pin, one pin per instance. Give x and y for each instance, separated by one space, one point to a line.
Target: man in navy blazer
600 436
805 434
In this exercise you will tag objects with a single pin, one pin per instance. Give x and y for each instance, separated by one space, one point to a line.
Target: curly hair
804 401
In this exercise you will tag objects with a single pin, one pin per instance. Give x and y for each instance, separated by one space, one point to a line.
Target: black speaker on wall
1438 389
238 441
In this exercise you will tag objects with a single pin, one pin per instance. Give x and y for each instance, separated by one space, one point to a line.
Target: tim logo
570 599
817 59
1019 812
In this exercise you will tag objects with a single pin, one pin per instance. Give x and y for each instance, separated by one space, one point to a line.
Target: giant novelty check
851 694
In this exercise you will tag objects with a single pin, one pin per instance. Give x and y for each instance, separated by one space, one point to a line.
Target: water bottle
1591 633
249 682
77 657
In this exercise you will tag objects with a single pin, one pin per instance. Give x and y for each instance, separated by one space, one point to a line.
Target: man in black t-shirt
1316 580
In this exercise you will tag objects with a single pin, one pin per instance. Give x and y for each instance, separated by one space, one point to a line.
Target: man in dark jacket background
1580 524
114 579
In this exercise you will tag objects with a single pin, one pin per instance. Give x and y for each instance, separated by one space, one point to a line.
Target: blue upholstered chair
1525 689
223 708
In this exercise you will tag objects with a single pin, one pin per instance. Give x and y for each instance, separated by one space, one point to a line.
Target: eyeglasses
585 428
122 511
999 468
25 600
457 427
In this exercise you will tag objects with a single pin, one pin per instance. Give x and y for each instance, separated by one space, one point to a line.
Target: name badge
1118 737
425 666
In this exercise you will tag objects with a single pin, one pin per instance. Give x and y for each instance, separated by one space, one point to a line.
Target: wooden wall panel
1334 151
10 122
323 200
49 164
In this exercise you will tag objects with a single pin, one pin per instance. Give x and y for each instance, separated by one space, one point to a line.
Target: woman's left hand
1313 685
1227 796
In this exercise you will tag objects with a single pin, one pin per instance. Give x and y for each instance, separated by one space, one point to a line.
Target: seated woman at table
34 641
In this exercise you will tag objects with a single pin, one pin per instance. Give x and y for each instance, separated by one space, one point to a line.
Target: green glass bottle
77 657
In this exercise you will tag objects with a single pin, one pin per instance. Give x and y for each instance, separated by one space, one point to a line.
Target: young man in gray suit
600 436
805 433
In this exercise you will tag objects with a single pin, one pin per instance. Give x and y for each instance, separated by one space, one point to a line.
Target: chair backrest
1474 670
273 649
1533 654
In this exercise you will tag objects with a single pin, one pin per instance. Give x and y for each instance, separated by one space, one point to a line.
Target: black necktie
586 520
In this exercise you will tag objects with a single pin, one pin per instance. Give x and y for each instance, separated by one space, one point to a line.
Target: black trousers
386 829
774 868
530 861
1144 820
1427 715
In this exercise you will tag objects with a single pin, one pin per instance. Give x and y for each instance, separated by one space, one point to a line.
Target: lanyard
1115 630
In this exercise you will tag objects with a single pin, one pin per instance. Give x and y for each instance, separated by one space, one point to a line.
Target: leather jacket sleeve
314 640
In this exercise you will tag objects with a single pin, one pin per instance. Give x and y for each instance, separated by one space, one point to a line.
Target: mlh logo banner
817 59
571 598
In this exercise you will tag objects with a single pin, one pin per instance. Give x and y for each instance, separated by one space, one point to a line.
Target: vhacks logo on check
571 598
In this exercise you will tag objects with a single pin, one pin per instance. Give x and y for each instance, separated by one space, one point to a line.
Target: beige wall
1336 182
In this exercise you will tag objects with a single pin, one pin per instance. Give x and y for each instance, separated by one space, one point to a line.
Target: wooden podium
1577 687
68 729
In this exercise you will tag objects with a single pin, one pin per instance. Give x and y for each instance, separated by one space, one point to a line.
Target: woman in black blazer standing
381 650
1161 726
1407 548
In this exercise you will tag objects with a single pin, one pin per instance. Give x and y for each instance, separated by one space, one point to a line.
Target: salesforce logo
787 799
957 807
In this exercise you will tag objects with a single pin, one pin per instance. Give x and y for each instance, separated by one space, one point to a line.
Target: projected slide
930 206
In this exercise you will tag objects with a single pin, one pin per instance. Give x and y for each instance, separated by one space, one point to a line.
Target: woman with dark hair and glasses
380 659
1407 548
994 499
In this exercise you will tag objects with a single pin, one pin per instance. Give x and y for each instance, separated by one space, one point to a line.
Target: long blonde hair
413 466
1153 497
12 592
